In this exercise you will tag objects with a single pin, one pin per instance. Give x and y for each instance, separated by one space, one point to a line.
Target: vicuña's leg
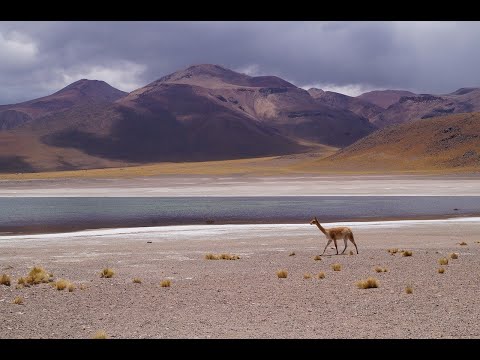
346 244
353 241
336 247
328 243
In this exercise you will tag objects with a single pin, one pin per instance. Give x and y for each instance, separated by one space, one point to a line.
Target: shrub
443 261
292 253
5 280
317 257
321 275
61 284
100 334
463 243
453 256
441 270
282 274
407 253
107 273
165 283
18 300
368 283
336 267
409 290
307 276
137 281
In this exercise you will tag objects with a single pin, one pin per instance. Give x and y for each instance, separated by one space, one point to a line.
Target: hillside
384 98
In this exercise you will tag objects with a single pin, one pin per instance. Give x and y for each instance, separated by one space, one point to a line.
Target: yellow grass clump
37 275
317 257
409 290
5 280
61 284
165 283
292 253
107 273
137 281
441 270
453 256
18 300
406 253
321 275
368 283
336 267
379 269
307 276
282 274
221 257
392 251
443 261
463 243
100 334
351 252
71 287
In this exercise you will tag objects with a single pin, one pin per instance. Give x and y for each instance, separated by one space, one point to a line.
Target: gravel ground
244 298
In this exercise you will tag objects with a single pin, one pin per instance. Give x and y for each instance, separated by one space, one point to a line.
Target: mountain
384 98
79 93
424 106
449 142
356 105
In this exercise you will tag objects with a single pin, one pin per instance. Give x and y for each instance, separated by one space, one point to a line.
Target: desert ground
244 185
244 298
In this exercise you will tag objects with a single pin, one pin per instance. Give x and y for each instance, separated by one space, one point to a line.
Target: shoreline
6 232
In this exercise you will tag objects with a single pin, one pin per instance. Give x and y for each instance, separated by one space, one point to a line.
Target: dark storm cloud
37 58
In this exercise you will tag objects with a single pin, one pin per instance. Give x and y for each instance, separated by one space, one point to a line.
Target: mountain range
204 112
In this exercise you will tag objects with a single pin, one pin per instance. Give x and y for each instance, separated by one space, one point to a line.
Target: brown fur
334 234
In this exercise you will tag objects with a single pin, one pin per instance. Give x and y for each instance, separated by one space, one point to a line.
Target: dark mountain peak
93 88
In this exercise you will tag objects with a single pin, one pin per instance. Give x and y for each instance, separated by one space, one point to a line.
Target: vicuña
335 234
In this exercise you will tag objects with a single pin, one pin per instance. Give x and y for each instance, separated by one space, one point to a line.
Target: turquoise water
51 214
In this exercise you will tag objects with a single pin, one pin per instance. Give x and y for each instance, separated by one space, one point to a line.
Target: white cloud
250 69
348 89
16 50
123 75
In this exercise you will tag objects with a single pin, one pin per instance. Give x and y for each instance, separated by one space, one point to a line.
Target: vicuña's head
314 221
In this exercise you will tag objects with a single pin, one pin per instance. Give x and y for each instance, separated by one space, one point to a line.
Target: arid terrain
244 298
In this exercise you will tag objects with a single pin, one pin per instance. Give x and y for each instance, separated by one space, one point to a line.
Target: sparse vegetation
463 243
453 256
292 253
82 287
407 253
409 290
5 280
137 281
368 283
100 334
61 284
336 267
71 287
441 270
307 276
221 257
393 251
107 273
379 269
165 283
18 300
351 252
321 275
282 274
317 257
443 261
21 281
36 276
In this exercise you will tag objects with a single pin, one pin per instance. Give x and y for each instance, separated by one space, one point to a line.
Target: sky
39 58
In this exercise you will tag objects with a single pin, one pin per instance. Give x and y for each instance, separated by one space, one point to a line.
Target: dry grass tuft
5 280
107 273
292 253
463 243
409 290
61 284
82 287
441 270
407 253
37 275
18 300
71 287
443 261
307 276
317 257
379 269
336 267
221 257
321 275
282 274
165 283
351 252
368 283
137 281
100 334
453 256
393 251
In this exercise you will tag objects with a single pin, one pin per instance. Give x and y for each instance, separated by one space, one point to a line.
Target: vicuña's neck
321 228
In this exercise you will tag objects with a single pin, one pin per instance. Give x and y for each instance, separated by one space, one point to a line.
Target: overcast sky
38 58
